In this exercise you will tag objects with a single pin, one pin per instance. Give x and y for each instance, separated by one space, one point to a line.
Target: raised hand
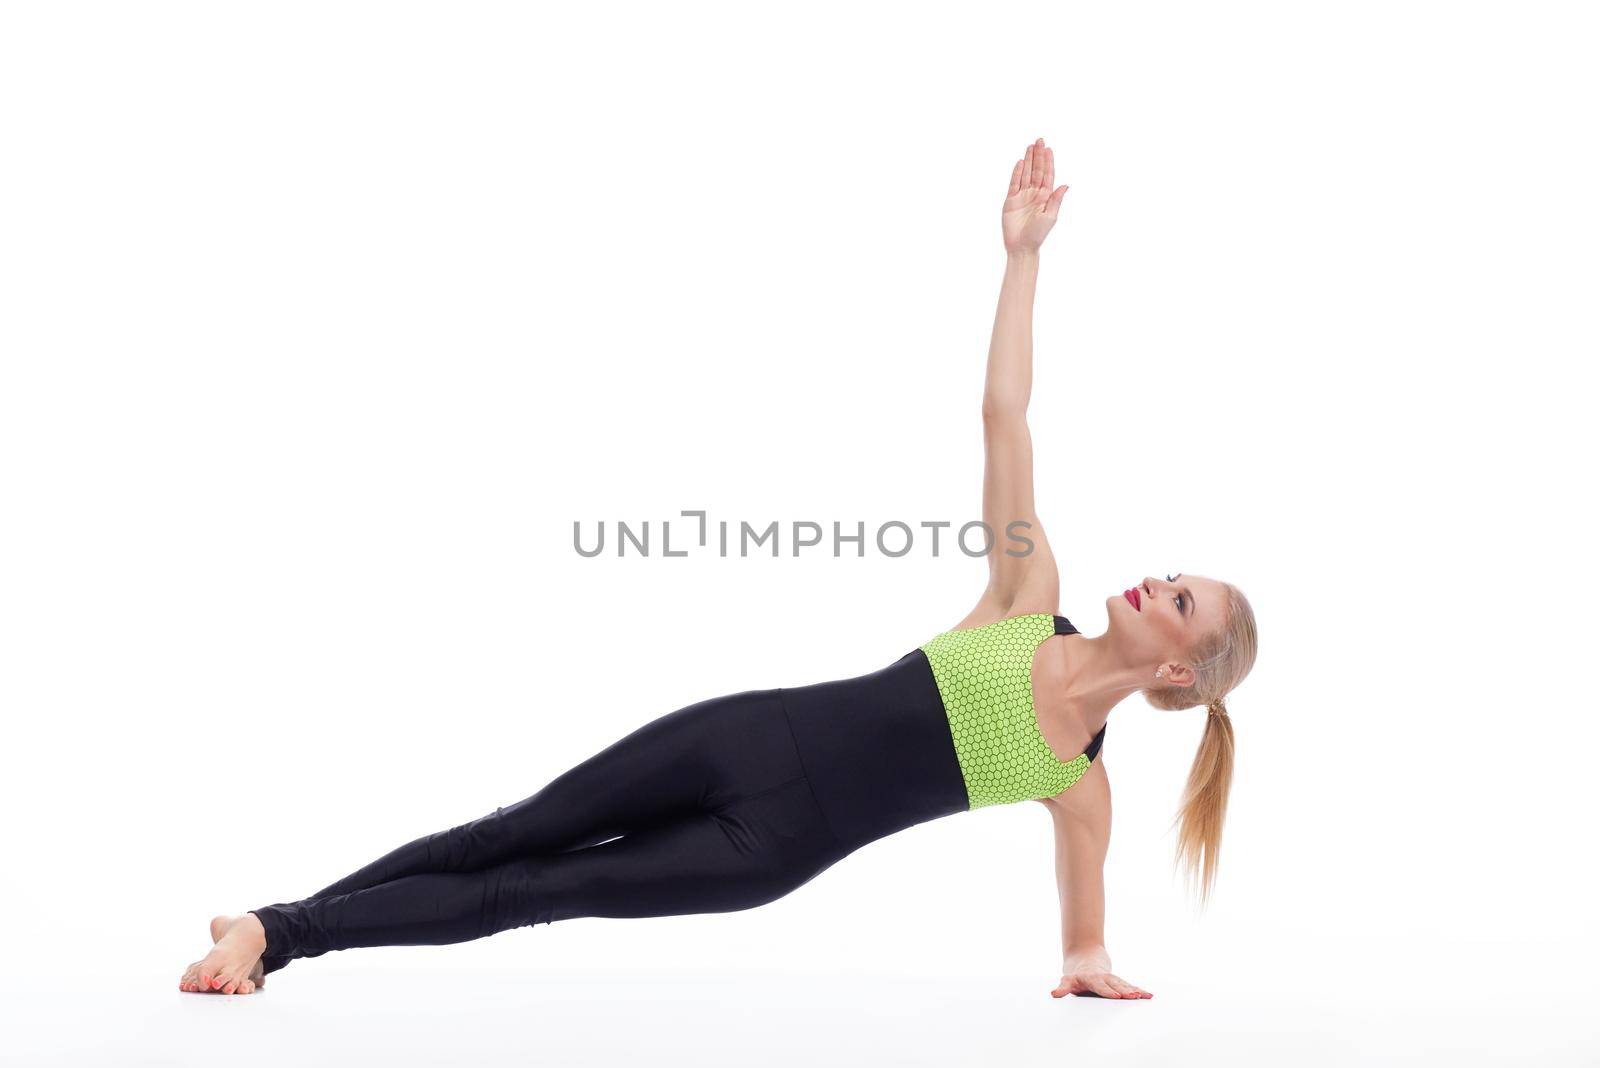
1031 206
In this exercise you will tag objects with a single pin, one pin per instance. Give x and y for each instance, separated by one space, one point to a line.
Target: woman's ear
1178 674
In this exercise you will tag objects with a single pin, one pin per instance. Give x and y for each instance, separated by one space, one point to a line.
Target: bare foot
258 974
234 964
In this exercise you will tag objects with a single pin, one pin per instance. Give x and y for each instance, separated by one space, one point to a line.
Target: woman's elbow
1000 409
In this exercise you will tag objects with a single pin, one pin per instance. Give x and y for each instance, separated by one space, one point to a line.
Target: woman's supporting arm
1081 817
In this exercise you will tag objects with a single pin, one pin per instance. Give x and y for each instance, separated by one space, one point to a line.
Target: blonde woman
738 800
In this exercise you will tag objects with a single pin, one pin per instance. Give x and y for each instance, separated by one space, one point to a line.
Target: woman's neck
1094 680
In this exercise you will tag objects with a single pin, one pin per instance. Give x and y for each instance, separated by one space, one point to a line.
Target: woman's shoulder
1035 605
980 622
993 608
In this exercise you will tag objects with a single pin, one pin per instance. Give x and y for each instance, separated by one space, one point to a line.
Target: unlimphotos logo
894 538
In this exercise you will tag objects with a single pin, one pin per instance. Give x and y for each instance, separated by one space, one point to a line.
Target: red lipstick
1133 598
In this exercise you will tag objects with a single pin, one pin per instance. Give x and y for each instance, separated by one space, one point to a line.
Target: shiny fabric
722 805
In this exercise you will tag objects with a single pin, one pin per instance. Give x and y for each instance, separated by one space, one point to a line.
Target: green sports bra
985 679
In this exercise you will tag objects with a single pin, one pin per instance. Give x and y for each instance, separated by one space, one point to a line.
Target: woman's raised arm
1022 570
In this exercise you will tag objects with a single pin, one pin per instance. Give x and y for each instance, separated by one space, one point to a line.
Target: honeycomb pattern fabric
985 679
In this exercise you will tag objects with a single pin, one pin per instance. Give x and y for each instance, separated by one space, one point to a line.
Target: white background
323 323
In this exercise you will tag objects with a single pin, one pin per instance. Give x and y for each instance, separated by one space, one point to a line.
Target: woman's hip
877 750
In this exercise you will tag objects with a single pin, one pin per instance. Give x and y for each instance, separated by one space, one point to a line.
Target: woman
738 800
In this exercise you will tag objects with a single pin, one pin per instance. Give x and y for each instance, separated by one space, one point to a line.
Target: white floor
405 1013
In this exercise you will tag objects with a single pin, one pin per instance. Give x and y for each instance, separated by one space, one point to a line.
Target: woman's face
1159 620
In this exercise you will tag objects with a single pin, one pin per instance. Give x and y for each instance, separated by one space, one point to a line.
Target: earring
1158 674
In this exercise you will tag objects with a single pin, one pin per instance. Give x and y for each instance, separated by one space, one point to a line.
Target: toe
247 987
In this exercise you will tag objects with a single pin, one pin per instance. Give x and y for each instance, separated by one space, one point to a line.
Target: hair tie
1215 708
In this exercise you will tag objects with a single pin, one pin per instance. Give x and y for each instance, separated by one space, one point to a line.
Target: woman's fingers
1126 988
1036 170
1101 985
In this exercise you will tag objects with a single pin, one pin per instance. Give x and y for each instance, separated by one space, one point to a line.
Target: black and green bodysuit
722 805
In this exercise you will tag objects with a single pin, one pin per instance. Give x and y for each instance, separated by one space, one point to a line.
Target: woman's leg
745 853
682 771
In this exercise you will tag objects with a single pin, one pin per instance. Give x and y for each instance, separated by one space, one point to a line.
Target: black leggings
723 805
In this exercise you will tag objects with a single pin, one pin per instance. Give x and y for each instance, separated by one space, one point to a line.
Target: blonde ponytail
1222 660
1205 802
